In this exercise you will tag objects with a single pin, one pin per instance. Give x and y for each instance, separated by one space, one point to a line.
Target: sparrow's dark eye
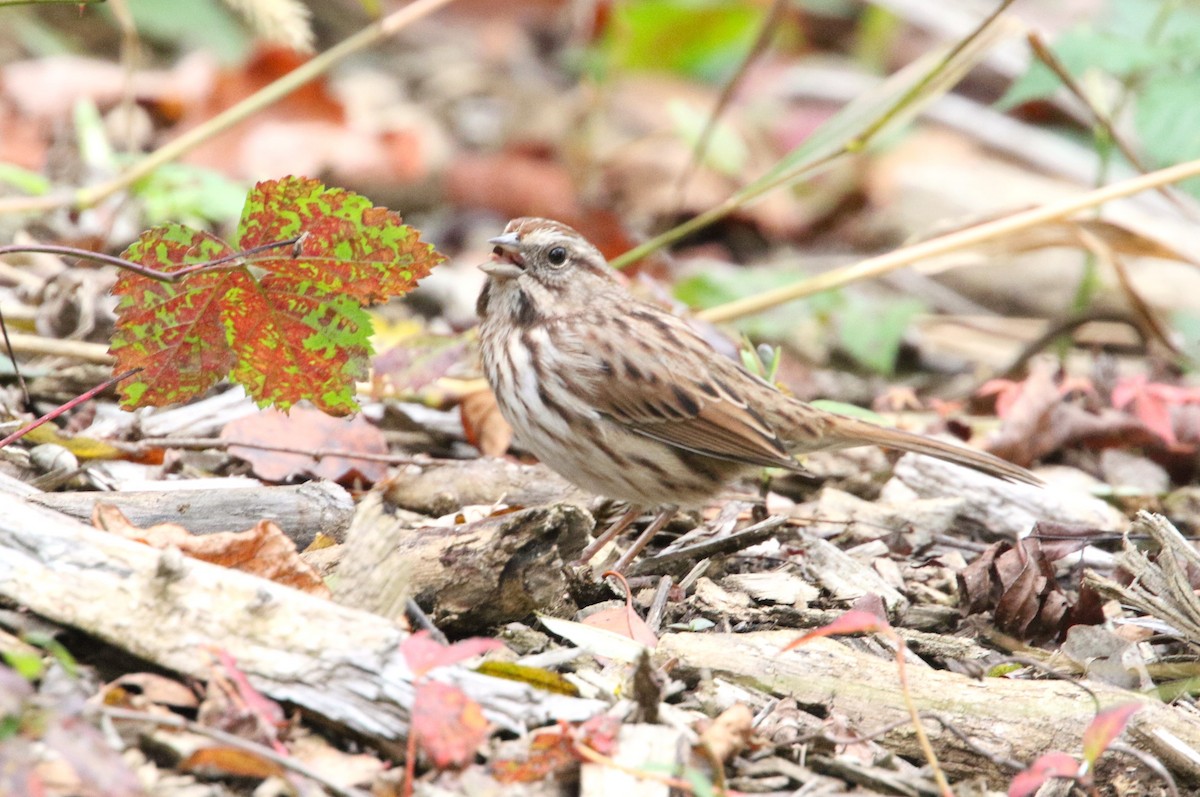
557 256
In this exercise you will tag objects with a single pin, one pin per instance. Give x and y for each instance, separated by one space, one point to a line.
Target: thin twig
766 31
12 357
54 413
212 444
227 262
751 535
777 177
1103 120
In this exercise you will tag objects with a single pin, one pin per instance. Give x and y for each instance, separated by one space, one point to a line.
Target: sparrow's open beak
506 262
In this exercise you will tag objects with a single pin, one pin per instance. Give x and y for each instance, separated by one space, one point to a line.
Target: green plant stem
306 72
928 85
951 242
9 3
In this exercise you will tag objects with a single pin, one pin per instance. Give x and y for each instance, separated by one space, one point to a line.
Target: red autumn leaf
1051 765
285 322
1104 730
307 430
423 653
854 621
447 724
1152 402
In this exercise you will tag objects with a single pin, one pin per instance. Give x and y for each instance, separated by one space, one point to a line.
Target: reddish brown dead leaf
1159 406
485 427
424 653
623 620
308 430
1039 419
513 184
552 752
448 725
263 550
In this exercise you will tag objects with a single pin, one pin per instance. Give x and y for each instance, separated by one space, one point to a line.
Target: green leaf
27 665
188 194
25 181
1167 118
871 332
698 38
286 322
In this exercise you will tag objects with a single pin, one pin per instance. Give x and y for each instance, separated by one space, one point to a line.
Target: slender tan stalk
951 242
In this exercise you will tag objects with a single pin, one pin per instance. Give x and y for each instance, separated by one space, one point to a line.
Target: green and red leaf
174 331
348 245
285 319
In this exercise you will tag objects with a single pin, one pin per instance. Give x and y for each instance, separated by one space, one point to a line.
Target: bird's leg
654 528
619 525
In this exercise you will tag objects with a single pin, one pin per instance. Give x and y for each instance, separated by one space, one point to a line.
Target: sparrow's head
539 265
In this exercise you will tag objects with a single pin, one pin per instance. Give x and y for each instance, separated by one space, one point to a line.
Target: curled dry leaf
263 550
1018 584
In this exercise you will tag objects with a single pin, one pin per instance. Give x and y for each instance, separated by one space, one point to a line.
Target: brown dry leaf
343 769
729 733
308 430
263 550
221 760
485 427
1018 584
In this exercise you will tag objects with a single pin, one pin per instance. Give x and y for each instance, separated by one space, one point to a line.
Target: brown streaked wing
686 407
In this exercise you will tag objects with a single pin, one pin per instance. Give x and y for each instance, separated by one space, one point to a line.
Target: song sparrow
626 401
